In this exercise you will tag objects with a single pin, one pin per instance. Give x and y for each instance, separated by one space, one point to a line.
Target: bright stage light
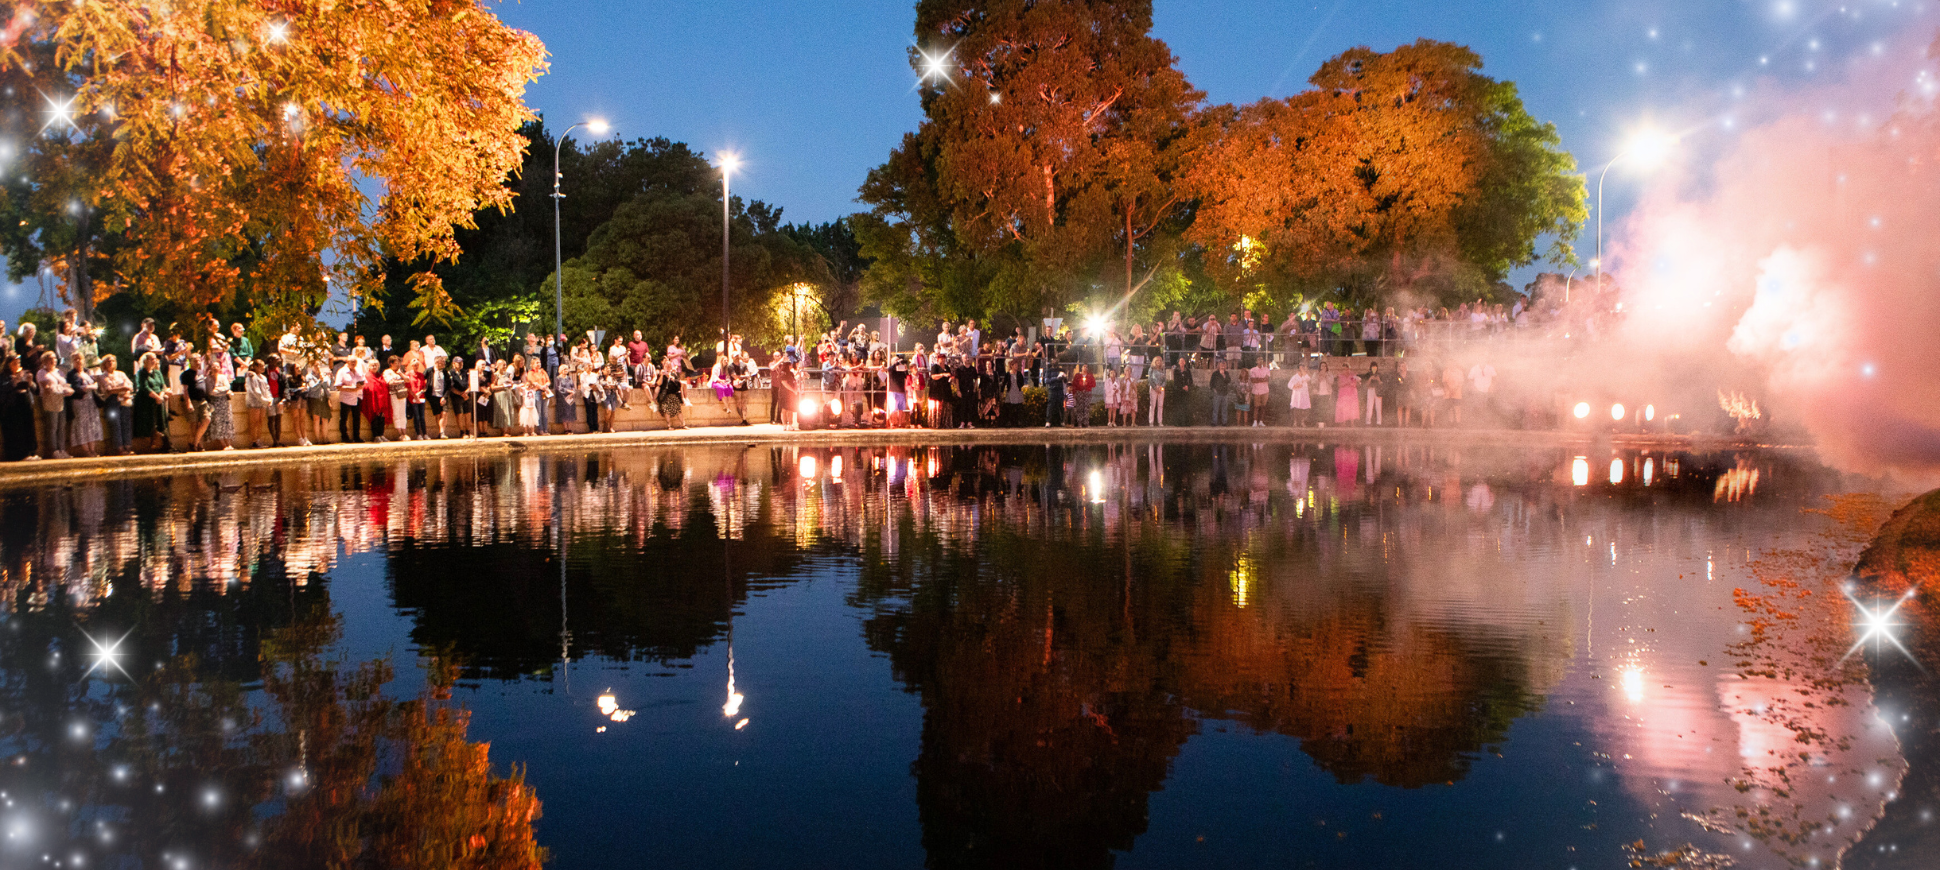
1582 410
1616 411
1650 413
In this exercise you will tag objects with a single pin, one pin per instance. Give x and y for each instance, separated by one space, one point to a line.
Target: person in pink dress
1347 397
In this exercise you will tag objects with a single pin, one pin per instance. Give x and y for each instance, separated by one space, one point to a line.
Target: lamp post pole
727 207
1649 147
1599 217
558 270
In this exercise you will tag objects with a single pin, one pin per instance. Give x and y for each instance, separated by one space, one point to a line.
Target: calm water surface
1135 656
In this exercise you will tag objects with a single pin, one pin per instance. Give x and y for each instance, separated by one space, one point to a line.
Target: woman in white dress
1303 402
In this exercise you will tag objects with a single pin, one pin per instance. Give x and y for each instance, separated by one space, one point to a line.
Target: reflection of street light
1646 148
596 126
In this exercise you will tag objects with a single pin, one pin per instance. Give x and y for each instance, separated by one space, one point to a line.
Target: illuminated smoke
1803 261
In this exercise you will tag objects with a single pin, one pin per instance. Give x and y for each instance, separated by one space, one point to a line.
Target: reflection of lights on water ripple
1633 684
609 707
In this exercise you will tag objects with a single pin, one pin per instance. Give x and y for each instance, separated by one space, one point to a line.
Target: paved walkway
46 470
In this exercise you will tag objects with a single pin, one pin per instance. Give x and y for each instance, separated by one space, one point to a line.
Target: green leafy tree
655 265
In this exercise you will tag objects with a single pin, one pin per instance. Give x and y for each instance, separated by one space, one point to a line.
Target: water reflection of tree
1405 706
659 596
324 771
1061 671
1046 724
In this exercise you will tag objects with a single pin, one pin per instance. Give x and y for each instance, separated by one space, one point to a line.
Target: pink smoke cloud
1806 258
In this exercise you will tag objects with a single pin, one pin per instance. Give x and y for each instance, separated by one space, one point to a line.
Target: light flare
107 655
1878 625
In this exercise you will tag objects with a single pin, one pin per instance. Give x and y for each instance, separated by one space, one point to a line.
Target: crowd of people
1178 372
64 395
69 397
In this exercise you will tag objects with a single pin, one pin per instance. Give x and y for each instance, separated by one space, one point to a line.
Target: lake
1135 655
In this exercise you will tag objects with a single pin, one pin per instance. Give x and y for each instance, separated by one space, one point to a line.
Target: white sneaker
61 454
303 442
378 440
403 437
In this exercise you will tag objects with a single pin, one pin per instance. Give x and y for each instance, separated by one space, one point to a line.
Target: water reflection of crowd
217 530
1068 616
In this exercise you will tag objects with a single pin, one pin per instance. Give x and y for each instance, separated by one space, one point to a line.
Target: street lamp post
729 162
598 128
1649 147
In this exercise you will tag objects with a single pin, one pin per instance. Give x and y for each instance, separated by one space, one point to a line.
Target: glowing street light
1646 148
598 127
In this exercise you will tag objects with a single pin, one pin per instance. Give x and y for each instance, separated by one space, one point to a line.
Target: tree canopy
1400 172
1052 131
1064 159
202 151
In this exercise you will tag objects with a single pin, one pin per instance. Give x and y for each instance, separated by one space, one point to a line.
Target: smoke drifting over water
1803 264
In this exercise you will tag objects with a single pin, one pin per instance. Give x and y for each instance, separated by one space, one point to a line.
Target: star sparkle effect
106 655
1878 624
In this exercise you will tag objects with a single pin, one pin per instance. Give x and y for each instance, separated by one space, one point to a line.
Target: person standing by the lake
1261 379
221 424
1220 385
1299 385
1156 374
151 402
256 402
414 398
1376 387
1054 389
84 412
977 389
349 384
1181 390
17 413
1323 389
1082 385
1347 396
669 396
115 391
53 391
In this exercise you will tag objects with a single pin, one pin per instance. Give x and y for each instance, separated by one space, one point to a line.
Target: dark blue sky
813 94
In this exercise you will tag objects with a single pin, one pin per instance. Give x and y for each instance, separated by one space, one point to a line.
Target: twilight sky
813 94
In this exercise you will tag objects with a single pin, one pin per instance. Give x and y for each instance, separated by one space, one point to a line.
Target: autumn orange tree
207 153
1400 172
1052 133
